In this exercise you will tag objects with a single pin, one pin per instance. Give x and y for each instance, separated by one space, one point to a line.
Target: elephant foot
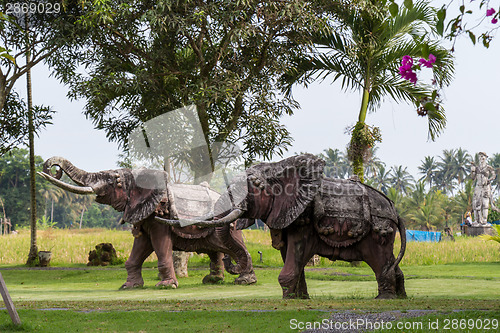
386 296
167 284
249 278
131 285
213 279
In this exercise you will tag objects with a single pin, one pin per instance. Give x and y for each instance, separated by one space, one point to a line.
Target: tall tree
337 166
373 163
144 59
381 180
428 168
365 49
446 174
401 179
495 163
461 165
14 129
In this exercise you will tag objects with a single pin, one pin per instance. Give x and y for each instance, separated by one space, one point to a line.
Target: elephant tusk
67 187
231 217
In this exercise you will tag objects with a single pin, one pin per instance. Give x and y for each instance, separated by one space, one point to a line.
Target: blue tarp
495 222
423 236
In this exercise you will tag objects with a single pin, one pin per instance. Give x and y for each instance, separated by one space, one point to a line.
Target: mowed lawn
72 297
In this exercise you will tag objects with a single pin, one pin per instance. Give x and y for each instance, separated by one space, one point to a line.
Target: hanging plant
363 137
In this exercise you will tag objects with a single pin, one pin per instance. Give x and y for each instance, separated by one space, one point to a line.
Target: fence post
8 302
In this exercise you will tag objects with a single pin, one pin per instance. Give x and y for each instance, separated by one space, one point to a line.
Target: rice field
72 247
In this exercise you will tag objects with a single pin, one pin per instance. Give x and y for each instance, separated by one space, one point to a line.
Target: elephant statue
142 195
309 214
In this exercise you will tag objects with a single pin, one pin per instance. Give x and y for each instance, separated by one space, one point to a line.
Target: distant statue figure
482 175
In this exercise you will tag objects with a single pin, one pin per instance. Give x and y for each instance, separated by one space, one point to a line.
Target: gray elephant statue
142 195
309 214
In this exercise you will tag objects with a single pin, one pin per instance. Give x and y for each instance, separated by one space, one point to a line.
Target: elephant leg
161 239
141 249
380 258
216 268
236 247
299 249
400 283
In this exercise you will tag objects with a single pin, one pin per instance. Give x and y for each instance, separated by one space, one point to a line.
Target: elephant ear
145 189
293 184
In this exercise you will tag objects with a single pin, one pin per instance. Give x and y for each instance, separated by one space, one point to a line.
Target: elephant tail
402 233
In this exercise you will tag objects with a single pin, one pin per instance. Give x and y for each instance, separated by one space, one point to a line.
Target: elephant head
136 193
274 192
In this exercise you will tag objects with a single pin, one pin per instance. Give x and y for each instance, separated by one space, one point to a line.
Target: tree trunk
33 254
81 216
52 212
181 262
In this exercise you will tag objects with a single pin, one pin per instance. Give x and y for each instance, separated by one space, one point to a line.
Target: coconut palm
364 50
381 180
495 163
446 174
428 169
51 194
373 163
461 165
429 214
337 166
463 199
401 179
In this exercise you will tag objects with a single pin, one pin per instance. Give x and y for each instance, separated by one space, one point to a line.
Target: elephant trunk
233 239
80 177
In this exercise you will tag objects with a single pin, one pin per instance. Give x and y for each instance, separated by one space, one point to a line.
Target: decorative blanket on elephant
346 210
191 202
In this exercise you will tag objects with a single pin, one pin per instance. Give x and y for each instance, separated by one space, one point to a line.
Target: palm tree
428 169
401 179
381 180
461 165
416 198
430 212
463 199
495 163
446 174
365 50
373 163
336 165
53 194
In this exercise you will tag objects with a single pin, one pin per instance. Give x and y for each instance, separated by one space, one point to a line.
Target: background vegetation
71 247
440 195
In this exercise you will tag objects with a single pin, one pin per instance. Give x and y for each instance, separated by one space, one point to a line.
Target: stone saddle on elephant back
188 202
345 211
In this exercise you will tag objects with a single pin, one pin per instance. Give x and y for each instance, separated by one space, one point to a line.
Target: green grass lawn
460 280
88 299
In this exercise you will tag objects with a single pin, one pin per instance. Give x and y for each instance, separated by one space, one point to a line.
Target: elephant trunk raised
144 194
87 182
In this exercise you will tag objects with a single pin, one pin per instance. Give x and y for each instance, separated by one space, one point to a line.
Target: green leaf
425 51
462 9
440 27
434 95
430 106
408 4
441 14
472 37
394 9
